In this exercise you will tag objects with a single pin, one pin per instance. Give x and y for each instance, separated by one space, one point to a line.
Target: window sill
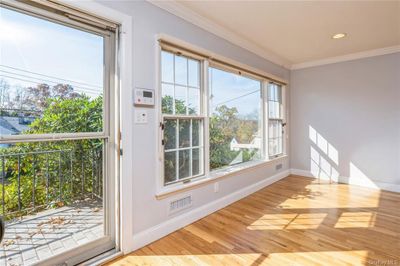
171 190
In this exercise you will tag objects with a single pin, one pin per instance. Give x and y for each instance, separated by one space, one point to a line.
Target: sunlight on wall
320 167
357 177
324 145
322 164
288 221
356 220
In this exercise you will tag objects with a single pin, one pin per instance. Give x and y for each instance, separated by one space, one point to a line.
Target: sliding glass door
57 152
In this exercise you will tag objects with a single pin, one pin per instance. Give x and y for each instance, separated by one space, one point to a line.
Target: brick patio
51 232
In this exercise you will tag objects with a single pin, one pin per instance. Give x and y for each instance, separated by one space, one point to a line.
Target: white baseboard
348 180
154 233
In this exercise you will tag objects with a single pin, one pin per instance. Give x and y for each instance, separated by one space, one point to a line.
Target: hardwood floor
296 221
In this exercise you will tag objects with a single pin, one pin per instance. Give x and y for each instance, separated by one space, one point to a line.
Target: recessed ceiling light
339 35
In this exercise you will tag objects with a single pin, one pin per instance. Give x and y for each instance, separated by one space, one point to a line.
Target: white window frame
208 60
282 120
177 117
109 31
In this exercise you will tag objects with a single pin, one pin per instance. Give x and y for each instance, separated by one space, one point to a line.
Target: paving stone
44 252
29 255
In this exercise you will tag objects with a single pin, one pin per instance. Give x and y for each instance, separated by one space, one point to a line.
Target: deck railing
37 180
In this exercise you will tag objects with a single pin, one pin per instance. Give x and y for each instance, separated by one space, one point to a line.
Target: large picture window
215 117
235 118
182 119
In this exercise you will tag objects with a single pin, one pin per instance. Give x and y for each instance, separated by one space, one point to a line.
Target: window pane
167 67
184 163
197 158
170 134
194 101
184 133
170 166
181 68
167 99
196 133
235 127
49 87
180 100
274 101
275 136
194 73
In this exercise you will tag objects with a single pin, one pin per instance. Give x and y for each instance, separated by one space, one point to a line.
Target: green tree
54 170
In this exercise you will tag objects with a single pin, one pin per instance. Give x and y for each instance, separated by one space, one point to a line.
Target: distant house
254 144
13 125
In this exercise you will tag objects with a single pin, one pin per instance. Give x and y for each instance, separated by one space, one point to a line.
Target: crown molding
348 57
206 24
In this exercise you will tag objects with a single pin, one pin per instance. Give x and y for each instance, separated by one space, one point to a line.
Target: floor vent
180 204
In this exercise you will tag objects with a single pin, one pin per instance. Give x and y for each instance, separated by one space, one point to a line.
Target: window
57 141
182 117
215 116
275 120
235 126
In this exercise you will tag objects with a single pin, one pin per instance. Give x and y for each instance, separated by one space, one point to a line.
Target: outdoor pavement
51 232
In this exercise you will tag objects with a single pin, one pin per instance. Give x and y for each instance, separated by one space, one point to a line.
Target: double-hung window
215 116
182 117
275 120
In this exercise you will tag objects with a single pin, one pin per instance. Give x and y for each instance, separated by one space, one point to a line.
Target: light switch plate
141 116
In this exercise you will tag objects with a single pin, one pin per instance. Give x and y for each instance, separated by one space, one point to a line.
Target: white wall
355 107
150 216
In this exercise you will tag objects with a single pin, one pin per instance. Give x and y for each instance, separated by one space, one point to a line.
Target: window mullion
206 112
177 150
191 148
265 118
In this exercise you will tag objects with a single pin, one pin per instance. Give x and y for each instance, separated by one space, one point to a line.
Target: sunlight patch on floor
207 236
288 221
189 259
323 195
354 257
356 220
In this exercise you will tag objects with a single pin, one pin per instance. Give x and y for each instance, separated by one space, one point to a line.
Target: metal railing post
3 175
34 180
19 183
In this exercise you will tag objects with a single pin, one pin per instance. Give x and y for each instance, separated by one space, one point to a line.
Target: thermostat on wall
144 97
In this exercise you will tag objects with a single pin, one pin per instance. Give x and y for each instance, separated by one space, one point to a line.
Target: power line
241 96
24 80
47 76
45 80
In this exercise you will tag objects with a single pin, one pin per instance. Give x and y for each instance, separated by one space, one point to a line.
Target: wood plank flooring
296 221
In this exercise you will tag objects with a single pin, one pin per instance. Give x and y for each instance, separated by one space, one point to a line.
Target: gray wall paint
355 106
148 21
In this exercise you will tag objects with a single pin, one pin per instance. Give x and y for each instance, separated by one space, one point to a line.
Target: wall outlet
216 187
141 116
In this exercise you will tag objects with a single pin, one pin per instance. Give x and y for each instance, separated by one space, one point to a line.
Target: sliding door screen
54 132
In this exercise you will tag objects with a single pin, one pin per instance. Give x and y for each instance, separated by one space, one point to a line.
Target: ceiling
294 32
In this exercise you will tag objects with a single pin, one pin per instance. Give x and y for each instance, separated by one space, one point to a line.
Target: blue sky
234 91
36 45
